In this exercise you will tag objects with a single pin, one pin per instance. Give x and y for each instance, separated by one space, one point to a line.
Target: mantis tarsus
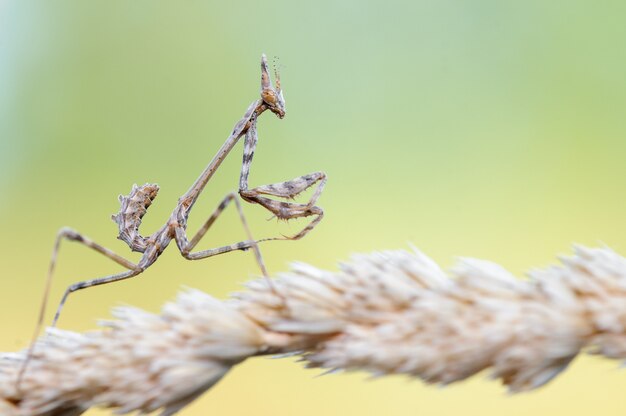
134 206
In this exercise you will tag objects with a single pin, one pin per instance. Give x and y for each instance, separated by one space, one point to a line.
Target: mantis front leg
288 190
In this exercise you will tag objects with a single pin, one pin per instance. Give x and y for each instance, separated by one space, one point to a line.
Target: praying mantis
135 205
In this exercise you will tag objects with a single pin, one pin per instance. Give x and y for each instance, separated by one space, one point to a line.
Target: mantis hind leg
72 235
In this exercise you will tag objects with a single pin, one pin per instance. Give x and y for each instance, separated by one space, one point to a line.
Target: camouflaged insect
134 207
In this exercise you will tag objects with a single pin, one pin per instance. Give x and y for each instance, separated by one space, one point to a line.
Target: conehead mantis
134 206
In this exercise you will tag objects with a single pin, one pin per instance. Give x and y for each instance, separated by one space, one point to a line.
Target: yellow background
490 129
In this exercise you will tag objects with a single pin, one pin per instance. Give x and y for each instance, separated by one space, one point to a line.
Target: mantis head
272 96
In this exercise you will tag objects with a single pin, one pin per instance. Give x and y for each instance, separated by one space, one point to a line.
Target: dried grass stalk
387 313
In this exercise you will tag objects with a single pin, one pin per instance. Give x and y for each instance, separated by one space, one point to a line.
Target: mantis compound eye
274 101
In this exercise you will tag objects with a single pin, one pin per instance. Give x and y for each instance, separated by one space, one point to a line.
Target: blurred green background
489 129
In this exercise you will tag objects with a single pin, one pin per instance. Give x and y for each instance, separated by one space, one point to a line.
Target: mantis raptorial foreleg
289 189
